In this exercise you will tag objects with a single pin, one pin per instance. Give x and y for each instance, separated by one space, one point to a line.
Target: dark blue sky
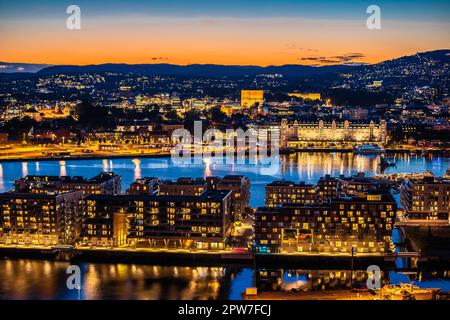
401 9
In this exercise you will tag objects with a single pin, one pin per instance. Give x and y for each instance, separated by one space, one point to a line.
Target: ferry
368 149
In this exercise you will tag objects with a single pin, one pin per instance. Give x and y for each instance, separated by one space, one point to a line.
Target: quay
211 257
35 156
402 292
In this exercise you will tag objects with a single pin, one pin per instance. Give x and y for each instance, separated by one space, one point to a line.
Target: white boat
368 149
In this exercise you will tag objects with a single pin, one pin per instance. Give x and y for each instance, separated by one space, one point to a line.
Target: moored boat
368 149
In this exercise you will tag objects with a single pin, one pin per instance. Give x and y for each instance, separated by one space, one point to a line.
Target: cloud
291 46
160 58
341 59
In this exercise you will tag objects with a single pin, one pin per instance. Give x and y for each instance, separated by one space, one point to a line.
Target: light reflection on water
46 280
302 166
37 279
26 279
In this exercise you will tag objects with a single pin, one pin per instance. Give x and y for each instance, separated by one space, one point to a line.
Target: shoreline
444 154
248 259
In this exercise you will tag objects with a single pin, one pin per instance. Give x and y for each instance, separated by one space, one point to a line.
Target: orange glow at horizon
216 41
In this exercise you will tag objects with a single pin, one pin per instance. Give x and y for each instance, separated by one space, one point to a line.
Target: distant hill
8 67
209 70
420 62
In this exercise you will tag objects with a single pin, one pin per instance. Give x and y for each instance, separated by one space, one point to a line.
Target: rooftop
20 195
286 183
208 195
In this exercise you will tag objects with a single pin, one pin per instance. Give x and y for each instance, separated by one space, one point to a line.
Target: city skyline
248 33
252 150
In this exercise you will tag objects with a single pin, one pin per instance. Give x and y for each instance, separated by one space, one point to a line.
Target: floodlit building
364 223
359 183
325 134
103 183
182 187
279 192
239 185
40 219
426 198
146 185
305 96
252 98
198 222
327 187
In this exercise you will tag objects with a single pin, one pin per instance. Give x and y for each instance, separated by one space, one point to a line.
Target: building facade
251 98
279 192
239 185
40 219
103 183
363 223
146 185
327 187
182 187
426 198
326 134
189 222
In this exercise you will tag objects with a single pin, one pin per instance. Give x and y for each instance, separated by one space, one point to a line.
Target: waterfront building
359 183
146 185
103 183
363 223
252 98
279 192
334 134
426 198
141 138
40 219
327 187
182 187
189 222
265 133
282 191
239 185
240 188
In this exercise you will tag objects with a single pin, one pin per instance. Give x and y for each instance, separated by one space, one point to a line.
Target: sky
231 32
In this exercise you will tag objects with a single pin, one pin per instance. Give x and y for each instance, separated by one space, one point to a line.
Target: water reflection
312 280
137 169
62 169
105 165
308 166
24 169
28 279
